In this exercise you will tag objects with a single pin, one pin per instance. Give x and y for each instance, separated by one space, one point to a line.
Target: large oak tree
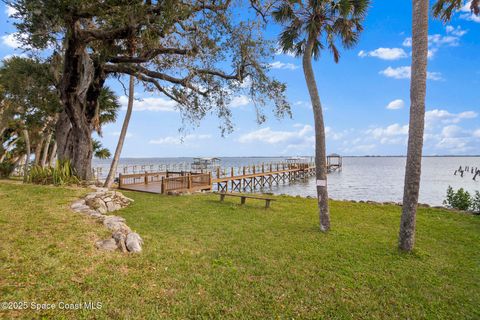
195 52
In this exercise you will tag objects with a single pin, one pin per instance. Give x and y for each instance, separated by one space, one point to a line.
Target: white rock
115 223
77 204
134 242
120 238
107 245
110 206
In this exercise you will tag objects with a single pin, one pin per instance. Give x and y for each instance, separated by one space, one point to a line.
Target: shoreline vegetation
206 259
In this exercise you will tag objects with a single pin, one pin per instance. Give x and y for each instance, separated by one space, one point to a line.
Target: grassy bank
205 259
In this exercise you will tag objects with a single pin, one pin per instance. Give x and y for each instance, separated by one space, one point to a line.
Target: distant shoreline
263 157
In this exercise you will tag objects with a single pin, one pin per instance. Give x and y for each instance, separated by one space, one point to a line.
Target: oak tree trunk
320 145
418 89
82 80
123 133
63 129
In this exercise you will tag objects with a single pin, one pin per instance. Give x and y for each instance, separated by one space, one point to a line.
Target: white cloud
10 11
396 104
177 140
385 53
149 104
451 131
407 42
362 148
468 15
437 40
392 134
458 31
11 41
391 130
405 73
397 73
9 56
436 116
331 134
476 133
117 134
282 65
432 52
239 101
269 136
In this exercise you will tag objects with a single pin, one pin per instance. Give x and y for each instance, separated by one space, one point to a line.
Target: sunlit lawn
206 259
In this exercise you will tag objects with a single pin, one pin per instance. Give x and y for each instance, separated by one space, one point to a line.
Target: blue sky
365 97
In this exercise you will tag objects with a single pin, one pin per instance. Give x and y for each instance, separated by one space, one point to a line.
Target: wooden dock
246 178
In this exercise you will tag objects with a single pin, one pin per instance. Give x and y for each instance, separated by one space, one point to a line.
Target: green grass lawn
206 259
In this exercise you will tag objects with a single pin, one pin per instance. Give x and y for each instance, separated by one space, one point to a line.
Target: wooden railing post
120 181
253 169
218 172
210 179
163 191
231 172
270 167
263 167
189 181
243 170
146 177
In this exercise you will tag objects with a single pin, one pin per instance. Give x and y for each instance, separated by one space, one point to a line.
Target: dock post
263 167
231 171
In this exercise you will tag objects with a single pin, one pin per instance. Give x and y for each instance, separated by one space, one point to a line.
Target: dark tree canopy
199 53
196 53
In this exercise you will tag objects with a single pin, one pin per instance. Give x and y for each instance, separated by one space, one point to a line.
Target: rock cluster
97 205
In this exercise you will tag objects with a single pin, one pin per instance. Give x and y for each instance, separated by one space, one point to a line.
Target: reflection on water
362 178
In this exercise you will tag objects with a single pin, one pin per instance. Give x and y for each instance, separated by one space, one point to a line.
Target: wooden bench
243 197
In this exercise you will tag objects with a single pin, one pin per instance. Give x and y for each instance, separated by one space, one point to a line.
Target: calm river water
362 178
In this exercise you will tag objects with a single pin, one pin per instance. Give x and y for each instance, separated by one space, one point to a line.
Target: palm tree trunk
45 150
418 89
320 146
38 151
123 133
53 154
26 137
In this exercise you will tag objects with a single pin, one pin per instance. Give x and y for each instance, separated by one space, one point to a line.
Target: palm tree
418 89
310 26
123 134
443 9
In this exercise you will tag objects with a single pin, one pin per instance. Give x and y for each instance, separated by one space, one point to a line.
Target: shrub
476 203
462 200
61 174
6 169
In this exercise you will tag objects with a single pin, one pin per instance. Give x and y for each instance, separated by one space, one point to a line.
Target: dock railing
169 181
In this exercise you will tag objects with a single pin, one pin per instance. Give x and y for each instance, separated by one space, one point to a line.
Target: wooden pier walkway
246 178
